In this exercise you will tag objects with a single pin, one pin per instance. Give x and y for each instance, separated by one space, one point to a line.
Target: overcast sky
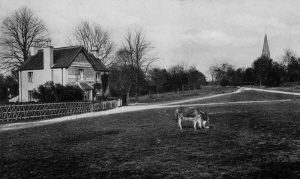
199 32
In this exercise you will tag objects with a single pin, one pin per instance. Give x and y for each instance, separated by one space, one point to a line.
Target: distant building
67 65
266 51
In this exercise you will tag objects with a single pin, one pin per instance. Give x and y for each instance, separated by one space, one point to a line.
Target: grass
295 89
244 141
171 96
247 96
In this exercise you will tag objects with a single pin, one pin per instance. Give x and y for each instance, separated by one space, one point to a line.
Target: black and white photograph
150 89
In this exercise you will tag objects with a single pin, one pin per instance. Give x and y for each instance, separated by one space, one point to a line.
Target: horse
192 114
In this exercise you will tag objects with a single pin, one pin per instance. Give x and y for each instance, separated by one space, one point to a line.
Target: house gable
81 61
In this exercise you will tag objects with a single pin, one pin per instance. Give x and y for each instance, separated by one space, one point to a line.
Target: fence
50 110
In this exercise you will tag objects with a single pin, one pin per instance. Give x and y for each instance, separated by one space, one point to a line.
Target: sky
193 32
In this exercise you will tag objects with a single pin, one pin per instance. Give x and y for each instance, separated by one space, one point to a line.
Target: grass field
246 96
171 96
244 141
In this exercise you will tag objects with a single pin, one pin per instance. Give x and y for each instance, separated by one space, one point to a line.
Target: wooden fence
51 110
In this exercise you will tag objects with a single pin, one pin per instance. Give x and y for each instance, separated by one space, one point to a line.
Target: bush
50 92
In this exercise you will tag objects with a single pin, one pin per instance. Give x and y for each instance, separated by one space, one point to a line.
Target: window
30 98
80 74
30 76
98 76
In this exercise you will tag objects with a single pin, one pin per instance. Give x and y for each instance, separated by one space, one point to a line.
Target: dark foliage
8 88
104 79
264 71
50 92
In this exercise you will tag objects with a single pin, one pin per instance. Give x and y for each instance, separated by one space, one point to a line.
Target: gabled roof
84 86
62 58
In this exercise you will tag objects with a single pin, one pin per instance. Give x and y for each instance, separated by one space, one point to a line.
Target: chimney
95 51
48 55
34 48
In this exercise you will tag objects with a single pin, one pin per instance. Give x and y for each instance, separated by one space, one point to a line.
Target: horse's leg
204 125
195 125
199 123
179 123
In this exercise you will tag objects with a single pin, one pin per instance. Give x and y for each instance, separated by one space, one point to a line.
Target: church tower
266 51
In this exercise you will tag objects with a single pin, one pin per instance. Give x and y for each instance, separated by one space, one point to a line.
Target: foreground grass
244 141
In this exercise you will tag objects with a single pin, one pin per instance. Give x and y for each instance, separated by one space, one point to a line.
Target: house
67 65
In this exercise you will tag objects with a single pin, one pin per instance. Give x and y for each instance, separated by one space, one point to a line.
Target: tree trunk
127 98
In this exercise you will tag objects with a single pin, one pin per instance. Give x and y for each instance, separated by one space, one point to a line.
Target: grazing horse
191 114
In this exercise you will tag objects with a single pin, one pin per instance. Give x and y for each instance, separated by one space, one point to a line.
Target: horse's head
178 114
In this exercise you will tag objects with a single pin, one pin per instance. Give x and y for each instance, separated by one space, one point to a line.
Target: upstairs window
30 76
80 74
98 75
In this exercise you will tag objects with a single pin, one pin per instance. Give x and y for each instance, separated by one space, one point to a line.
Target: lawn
171 96
246 96
244 141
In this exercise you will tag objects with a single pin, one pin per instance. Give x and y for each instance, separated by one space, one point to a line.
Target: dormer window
80 74
30 76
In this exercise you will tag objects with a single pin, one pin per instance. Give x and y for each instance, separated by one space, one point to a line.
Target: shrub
50 92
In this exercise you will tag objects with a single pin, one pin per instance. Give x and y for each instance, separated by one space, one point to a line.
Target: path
24 125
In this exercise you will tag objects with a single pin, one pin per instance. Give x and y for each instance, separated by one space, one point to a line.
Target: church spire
266 51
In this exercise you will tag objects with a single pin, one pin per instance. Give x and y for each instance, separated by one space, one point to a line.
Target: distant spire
266 51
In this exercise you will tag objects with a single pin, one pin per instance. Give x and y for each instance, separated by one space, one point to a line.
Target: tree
262 67
287 56
94 36
212 71
120 81
195 77
159 79
18 32
293 69
137 50
9 88
178 77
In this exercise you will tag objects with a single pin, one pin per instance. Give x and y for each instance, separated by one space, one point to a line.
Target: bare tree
287 56
18 32
213 72
138 48
91 36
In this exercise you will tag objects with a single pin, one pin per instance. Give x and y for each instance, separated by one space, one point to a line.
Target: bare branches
137 48
18 32
91 36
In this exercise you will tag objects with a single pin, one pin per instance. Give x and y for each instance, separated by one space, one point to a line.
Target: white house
66 65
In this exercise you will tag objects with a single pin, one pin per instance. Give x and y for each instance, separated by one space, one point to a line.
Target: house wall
57 75
39 77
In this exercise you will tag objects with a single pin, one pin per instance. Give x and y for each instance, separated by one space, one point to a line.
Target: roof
62 58
84 86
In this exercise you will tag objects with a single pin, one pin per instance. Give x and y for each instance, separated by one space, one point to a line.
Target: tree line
155 81
263 71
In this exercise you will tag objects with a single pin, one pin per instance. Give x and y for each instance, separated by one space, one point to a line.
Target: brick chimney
95 51
48 55
34 48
